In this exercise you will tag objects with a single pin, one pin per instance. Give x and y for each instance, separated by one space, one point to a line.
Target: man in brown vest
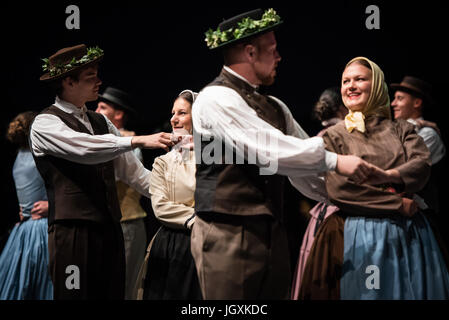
246 143
76 151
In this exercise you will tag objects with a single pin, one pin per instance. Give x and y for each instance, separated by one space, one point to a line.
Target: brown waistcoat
239 189
79 191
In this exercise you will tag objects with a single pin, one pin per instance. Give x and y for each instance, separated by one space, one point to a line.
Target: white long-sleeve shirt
432 140
51 136
222 113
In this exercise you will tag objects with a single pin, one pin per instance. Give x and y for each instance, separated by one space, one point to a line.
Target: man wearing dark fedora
239 241
116 105
411 96
77 151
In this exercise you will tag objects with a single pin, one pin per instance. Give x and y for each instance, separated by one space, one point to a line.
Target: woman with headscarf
379 245
171 272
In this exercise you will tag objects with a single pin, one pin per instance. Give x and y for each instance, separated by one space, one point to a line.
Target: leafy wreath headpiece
246 27
59 68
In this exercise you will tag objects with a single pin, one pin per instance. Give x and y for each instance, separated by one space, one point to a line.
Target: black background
155 49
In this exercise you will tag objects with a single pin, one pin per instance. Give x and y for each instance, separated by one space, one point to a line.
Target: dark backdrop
154 49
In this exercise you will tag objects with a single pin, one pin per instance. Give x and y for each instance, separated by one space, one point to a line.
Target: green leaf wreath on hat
245 27
92 54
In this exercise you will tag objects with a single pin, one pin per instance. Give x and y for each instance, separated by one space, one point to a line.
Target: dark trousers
87 260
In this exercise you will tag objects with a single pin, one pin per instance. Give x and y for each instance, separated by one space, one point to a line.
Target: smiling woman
379 226
171 272
356 85
182 112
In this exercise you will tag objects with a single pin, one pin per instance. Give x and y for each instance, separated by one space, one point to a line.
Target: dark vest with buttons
79 191
239 189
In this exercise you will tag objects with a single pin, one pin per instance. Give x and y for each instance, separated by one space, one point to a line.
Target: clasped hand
379 176
361 172
154 141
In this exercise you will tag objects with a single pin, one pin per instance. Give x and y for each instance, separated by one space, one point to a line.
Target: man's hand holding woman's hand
353 167
380 176
361 171
154 141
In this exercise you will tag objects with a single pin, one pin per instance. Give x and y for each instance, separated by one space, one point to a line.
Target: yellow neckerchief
355 120
378 101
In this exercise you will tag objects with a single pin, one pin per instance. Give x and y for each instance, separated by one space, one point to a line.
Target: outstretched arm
50 136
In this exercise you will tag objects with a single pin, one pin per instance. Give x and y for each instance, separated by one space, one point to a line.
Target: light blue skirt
24 271
392 258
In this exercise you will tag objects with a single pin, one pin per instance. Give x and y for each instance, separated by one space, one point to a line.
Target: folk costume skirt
361 258
24 273
320 212
393 258
171 272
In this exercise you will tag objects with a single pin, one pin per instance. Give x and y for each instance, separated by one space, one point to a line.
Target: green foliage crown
59 68
245 27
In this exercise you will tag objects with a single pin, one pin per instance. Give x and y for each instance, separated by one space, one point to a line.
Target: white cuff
124 143
330 158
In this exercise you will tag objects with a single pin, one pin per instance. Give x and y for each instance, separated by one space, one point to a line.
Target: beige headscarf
378 101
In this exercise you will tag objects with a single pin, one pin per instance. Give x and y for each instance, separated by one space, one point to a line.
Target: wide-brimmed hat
241 27
119 98
68 60
416 87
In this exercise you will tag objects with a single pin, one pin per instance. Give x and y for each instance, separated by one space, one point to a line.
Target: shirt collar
69 107
413 121
239 76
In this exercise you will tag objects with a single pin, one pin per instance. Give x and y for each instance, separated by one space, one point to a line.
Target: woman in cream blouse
171 272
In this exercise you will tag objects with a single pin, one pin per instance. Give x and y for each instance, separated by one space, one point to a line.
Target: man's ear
250 51
119 114
417 103
68 82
